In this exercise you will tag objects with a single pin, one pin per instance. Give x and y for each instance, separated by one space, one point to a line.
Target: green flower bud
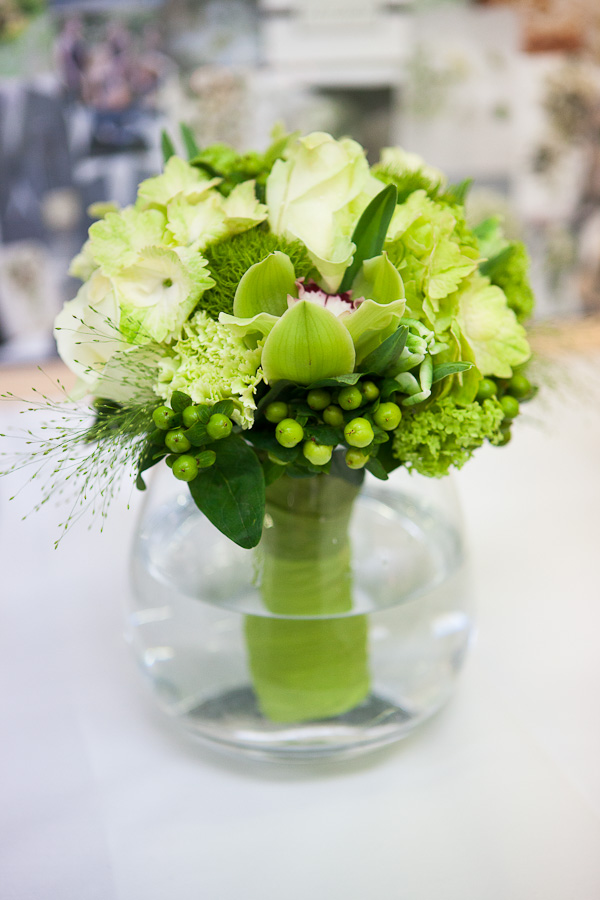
387 416
185 468
510 406
334 416
176 441
163 417
370 391
519 386
318 399
356 459
350 398
289 433
487 389
359 433
219 426
276 411
317 454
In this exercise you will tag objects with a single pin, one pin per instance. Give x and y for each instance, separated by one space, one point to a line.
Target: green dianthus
228 260
431 440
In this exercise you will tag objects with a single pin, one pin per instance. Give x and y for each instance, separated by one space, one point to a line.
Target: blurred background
506 91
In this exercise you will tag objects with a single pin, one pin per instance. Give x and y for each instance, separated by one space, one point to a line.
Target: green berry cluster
309 425
509 393
185 429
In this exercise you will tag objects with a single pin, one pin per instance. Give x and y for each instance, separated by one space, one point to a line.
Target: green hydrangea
209 363
431 440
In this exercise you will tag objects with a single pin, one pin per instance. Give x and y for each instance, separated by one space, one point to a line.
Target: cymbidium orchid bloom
307 334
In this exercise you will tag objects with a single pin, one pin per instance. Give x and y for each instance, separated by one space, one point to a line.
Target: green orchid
307 335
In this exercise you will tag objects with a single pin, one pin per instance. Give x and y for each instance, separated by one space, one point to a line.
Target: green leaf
168 150
189 141
272 471
377 469
266 440
223 407
197 435
180 401
387 353
231 493
488 266
148 458
264 288
343 380
458 192
450 368
274 393
370 232
325 434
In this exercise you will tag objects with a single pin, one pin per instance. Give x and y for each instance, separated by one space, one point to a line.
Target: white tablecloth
497 798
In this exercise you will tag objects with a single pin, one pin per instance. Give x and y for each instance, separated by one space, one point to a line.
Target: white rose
316 195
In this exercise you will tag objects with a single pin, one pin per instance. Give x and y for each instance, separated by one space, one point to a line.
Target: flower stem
308 659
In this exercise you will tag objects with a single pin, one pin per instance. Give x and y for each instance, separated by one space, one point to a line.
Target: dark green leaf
180 401
168 150
189 141
197 435
325 434
224 407
148 458
381 437
387 353
272 471
266 440
377 469
274 393
451 368
488 266
336 381
386 457
371 229
231 493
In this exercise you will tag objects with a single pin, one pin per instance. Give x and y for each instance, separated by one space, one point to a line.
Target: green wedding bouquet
271 326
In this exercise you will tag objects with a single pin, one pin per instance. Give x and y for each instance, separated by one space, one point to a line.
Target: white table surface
497 798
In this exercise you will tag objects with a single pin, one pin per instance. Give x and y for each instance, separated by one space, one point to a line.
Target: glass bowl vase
341 632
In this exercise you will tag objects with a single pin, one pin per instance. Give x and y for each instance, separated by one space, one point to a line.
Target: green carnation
210 364
431 440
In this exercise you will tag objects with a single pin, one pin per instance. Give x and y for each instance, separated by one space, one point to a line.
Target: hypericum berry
334 416
387 416
219 426
163 417
356 459
318 399
487 388
289 432
276 411
370 391
359 433
185 468
317 454
510 406
205 458
176 441
191 415
519 386
350 398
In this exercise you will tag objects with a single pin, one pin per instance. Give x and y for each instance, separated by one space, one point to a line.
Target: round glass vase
343 630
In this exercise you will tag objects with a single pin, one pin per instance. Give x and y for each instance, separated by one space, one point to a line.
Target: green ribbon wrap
308 659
